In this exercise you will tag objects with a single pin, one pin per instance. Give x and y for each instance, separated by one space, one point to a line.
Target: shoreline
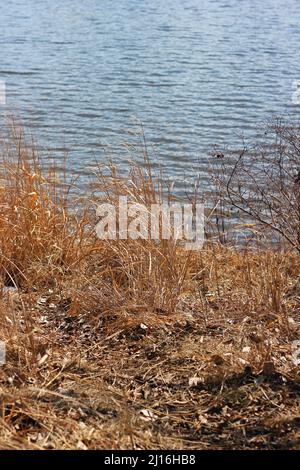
137 344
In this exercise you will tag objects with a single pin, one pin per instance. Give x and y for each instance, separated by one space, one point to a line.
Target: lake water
197 73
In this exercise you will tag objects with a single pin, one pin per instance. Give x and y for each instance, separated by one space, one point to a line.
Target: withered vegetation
134 344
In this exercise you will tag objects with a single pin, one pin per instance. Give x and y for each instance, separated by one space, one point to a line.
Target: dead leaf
269 368
194 381
217 359
81 446
148 415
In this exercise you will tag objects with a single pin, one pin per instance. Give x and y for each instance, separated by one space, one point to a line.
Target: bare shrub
263 181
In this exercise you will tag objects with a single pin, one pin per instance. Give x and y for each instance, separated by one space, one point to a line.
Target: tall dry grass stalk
39 236
46 241
149 273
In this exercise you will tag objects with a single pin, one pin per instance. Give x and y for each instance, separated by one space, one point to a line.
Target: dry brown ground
218 377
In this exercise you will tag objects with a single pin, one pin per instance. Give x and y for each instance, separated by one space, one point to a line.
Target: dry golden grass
133 343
